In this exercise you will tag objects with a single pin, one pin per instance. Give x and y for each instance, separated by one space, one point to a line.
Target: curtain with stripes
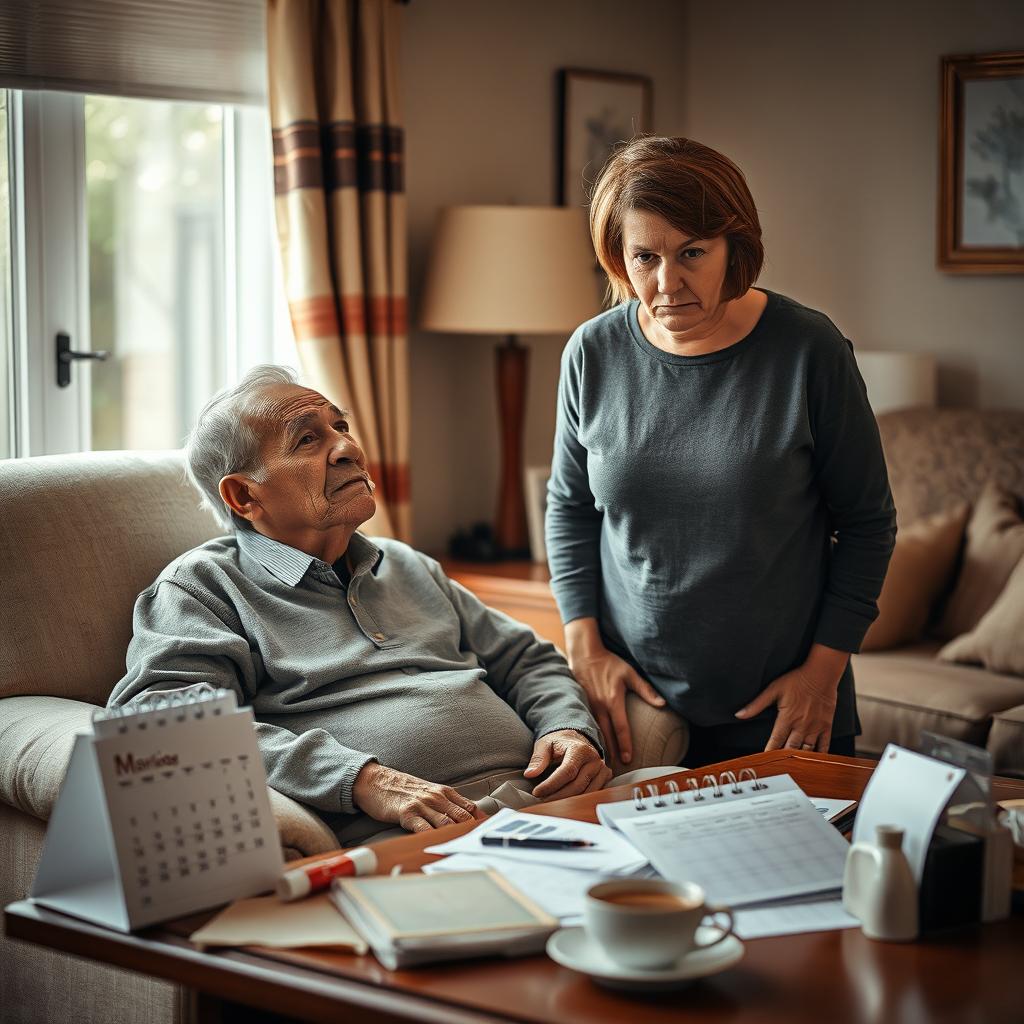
341 221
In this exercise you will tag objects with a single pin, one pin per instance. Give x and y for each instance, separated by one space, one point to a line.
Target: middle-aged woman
719 518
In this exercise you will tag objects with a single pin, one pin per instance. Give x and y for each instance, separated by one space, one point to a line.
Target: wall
480 113
831 110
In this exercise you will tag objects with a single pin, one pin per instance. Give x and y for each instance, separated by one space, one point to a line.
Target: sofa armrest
660 736
302 832
36 738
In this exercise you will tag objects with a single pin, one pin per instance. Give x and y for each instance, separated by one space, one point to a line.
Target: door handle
65 356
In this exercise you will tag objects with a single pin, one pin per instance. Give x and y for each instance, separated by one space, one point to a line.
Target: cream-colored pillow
920 569
995 544
997 642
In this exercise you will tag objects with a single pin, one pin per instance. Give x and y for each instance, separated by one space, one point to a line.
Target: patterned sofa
937 457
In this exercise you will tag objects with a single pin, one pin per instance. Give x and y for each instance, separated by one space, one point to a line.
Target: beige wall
833 117
832 111
480 115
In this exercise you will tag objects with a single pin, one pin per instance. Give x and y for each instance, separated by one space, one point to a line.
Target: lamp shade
898 380
509 270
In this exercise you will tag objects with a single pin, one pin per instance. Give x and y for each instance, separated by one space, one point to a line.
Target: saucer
572 948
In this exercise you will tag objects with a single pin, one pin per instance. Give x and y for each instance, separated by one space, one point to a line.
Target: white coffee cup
648 923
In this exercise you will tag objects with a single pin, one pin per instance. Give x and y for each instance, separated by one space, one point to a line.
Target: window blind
205 50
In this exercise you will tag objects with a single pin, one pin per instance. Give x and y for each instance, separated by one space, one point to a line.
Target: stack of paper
773 859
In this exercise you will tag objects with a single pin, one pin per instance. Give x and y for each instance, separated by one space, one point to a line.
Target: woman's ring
807 746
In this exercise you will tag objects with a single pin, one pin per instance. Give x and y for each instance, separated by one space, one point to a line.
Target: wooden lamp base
511 365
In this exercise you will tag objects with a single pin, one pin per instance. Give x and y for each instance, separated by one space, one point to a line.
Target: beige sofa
937 457
80 537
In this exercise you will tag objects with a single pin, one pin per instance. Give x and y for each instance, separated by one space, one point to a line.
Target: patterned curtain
341 221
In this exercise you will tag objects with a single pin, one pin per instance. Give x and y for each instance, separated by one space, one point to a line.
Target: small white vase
879 887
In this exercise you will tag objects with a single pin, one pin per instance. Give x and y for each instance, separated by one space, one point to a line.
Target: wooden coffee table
972 974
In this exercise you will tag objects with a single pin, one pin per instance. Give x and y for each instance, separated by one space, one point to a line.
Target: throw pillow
995 544
997 642
920 569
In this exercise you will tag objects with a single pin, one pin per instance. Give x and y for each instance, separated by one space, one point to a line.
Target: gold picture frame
981 164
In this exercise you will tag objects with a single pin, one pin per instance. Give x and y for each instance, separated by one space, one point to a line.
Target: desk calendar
164 812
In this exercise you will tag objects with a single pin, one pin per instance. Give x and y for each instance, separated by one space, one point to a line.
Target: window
151 220
154 174
6 309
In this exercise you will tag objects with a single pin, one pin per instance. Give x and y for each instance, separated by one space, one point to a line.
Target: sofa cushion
899 693
995 545
80 537
997 642
937 457
1006 741
919 572
36 738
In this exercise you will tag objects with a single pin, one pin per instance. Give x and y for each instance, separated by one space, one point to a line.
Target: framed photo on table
598 110
981 178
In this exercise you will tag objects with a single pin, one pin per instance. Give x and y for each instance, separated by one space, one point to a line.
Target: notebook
416 919
743 839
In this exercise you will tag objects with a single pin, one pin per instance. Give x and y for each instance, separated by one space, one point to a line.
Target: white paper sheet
829 807
612 854
793 916
909 790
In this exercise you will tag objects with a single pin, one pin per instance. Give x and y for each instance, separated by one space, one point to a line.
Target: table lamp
510 270
898 380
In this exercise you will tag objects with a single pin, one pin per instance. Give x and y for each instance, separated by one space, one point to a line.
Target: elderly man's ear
237 494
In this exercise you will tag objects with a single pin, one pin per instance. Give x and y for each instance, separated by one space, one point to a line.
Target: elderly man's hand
416 805
580 768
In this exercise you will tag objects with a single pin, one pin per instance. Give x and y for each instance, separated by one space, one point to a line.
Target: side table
520 589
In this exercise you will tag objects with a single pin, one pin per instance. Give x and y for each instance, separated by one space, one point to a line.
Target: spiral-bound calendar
742 838
164 812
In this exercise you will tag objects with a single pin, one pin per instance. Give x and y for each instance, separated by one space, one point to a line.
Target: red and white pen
299 882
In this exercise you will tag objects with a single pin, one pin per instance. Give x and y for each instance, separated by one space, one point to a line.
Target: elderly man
378 684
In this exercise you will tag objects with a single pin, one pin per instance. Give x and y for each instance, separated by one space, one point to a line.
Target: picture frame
535 480
981 166
597 110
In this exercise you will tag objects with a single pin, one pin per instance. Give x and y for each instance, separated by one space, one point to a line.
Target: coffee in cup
649 924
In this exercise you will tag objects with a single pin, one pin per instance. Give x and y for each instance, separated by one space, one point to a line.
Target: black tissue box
951 884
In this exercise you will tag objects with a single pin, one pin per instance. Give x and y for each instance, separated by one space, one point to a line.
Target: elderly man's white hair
223 440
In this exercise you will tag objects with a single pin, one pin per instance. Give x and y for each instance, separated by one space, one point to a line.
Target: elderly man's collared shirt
401 665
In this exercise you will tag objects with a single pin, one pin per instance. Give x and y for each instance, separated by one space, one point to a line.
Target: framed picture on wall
598 109
981 179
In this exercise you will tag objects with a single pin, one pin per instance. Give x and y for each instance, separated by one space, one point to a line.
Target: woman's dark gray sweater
719 513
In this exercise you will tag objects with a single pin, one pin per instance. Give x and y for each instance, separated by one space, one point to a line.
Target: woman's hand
605 678
806 698
415 804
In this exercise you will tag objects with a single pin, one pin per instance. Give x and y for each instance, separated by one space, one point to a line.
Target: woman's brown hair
695 188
